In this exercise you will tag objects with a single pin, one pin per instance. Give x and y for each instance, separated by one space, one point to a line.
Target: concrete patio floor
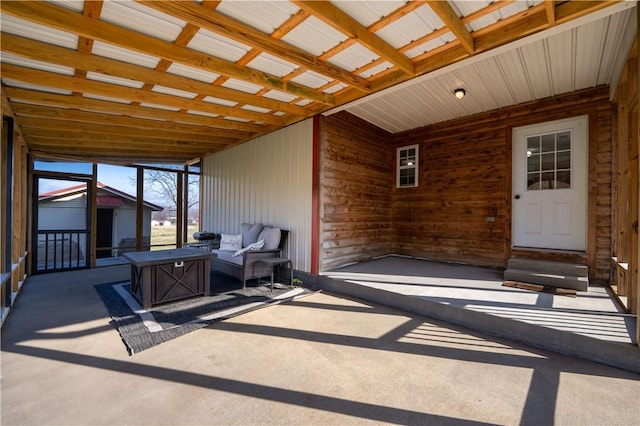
591 325
322 359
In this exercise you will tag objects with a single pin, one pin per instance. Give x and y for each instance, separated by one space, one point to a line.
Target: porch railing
61 249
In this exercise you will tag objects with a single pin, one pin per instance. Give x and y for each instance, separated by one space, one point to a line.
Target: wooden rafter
66 20
128 93
333 16
237 103
453 22
67 57
65 101
169 128
550 7
221 24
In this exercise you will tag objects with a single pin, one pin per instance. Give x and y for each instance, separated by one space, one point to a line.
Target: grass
164 237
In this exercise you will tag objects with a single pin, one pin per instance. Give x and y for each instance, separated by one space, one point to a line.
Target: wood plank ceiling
171 81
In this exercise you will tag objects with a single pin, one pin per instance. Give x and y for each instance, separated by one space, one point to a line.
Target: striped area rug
142 329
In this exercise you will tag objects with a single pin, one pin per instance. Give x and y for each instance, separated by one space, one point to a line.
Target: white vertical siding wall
266 180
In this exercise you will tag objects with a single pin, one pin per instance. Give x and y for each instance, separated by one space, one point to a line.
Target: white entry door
550 185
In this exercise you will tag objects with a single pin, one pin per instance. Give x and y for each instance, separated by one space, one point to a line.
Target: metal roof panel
314 36
411 27
243 86
311 79
368 12
125 55
19 84
262 15
34 31
173 92
273 65
353 57
142 19
10 58
193 73
218 46
119 81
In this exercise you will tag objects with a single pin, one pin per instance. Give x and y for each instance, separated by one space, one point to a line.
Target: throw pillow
230 242
271 237
255 246
250 233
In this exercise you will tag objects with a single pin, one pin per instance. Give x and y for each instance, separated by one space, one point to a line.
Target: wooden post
140 209
180 213
93 223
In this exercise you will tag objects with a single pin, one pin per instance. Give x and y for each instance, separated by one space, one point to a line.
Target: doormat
569 292
142 329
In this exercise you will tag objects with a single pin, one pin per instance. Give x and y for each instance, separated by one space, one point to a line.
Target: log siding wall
355 191
464 180
466 169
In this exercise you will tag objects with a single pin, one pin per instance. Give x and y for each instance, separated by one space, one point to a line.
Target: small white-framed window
407 166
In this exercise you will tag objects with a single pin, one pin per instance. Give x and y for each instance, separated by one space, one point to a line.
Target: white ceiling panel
516 76
264 16
193 73
311 79
314 36
174 92
272 65
105 98
562 61
430 45
368 12
218 101
218 46
411 27
22 85
119 81
243 86
114 52
536 63
137 17
10 58
353 57
496 90
581 56
17 26
75 5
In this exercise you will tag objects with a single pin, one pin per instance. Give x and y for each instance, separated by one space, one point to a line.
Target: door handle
517 197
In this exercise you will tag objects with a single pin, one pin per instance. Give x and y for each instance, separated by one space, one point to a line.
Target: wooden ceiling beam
218 23
65 115
114 151
46 52
70 21
550 8
453 22
62 82
97 105
44 124
344 23
113 157
66 138
507 30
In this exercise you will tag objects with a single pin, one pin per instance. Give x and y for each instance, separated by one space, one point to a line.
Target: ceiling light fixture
459 93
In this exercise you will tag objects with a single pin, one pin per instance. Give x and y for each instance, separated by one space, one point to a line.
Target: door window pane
549 161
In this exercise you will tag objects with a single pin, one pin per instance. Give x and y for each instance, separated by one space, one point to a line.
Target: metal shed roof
191 78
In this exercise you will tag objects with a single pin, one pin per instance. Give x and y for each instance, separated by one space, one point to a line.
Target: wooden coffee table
167 275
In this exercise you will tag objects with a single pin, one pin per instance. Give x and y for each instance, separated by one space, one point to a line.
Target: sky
118 177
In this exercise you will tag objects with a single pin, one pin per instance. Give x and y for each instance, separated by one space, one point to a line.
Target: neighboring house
66 209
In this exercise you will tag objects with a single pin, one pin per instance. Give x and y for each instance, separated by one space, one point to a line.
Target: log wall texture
356 183
464 181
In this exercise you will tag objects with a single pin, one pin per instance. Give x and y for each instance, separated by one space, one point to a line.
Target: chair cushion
271 237
227 256
230 242
250 233
255 246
